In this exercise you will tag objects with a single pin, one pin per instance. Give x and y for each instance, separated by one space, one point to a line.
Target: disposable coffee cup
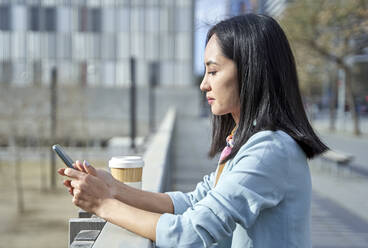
127 169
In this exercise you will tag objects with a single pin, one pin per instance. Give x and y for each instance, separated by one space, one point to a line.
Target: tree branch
323 52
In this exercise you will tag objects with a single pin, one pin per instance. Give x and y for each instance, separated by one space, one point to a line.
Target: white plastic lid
126 162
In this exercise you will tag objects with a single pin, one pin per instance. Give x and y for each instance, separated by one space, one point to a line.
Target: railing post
132 103
53 124
153 82
78 224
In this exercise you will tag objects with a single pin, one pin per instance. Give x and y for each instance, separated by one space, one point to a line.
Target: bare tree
334 30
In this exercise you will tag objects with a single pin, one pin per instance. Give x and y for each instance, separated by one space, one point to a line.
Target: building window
95 20
37 21
33 18
89 19
5 21
50 19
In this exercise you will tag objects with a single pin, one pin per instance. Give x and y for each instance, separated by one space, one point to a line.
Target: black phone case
61 153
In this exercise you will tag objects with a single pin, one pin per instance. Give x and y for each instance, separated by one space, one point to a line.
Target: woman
260 194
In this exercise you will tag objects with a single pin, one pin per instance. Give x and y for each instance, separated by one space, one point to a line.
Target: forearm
133 219
145 200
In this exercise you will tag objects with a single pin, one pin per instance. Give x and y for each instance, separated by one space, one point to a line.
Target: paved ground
341 196
339 216
335 227
346 142
191 144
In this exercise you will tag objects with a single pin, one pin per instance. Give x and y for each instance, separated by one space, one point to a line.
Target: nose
205 86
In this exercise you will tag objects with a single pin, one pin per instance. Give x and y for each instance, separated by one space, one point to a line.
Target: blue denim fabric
261 200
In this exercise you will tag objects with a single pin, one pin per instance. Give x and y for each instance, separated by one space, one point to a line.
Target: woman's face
220 81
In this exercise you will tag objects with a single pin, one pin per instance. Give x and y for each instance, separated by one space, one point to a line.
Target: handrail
154 178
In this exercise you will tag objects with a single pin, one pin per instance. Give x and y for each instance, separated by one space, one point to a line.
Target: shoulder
269 147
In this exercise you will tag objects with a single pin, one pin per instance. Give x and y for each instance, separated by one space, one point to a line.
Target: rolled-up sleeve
183 201
256 182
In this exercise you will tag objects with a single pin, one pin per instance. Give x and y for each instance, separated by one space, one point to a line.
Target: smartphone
62 154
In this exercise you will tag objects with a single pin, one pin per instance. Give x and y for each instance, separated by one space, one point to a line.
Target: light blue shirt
262 200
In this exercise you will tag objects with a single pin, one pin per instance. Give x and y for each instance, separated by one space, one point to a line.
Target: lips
210 100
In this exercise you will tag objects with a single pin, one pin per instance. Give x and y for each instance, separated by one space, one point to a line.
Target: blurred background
98 76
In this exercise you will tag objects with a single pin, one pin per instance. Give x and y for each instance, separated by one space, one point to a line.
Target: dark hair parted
268 85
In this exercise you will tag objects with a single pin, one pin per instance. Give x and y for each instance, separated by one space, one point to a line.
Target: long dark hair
268 85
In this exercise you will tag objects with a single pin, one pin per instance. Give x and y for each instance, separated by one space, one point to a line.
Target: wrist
104 209
119 190
115 189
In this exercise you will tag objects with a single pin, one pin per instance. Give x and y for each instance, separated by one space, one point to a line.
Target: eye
212 73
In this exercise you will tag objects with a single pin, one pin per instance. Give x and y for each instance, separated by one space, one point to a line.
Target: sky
207 13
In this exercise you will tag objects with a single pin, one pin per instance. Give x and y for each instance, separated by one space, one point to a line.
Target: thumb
89 168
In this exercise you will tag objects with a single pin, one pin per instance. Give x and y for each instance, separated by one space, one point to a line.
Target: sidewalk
335 227
191 144
348 143
347 190
339 216
350 188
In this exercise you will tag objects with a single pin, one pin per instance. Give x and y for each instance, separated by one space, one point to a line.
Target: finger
67 183
79 196
89 168
79 166
76 193
73 173
61 171
74 184
79 202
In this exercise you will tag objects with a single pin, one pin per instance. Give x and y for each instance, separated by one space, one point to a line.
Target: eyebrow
210 62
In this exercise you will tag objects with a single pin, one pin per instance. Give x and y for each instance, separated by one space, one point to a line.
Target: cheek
231 93
227 100
233 100
235 96
226 91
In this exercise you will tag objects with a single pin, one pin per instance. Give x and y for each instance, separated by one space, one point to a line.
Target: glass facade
238 7
90 42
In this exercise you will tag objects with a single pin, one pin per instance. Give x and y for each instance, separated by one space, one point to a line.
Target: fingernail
86 163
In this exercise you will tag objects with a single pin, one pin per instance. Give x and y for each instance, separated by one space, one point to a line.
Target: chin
219 111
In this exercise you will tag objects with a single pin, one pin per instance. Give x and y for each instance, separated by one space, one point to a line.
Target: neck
236 118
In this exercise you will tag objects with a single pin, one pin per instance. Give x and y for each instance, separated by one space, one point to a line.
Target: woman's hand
110 181
93 190
89 192
102 174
